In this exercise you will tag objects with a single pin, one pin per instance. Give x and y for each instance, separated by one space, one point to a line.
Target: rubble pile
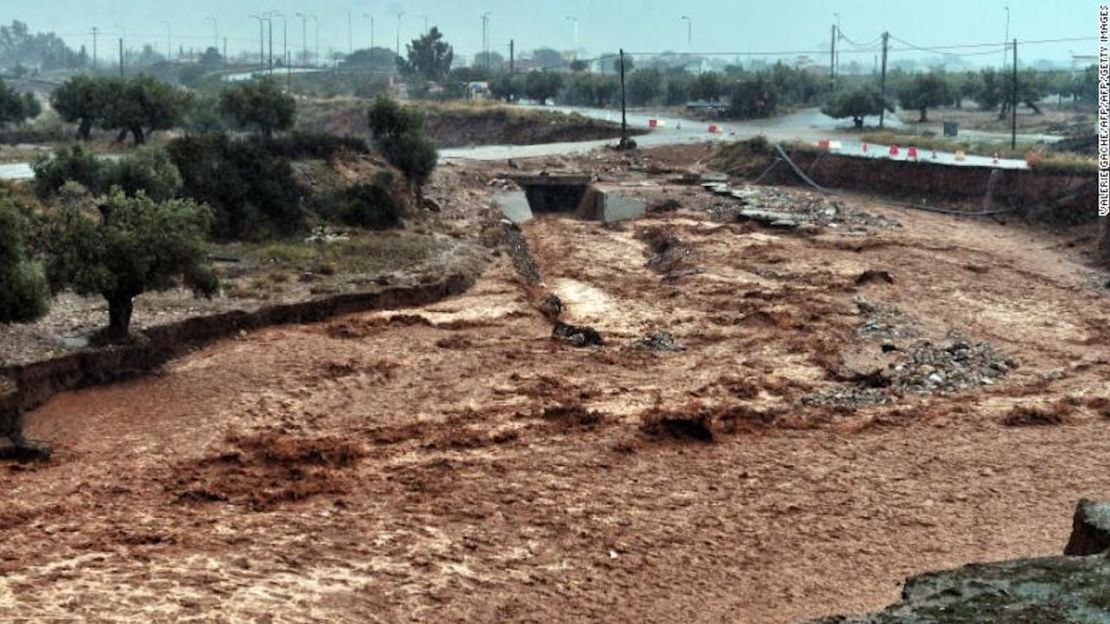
884 323
953 365
657 341
790 209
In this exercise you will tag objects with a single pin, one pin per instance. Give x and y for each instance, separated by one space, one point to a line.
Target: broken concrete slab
514 205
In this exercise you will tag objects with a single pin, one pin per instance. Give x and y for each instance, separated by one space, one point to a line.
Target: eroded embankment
29 385
1049 198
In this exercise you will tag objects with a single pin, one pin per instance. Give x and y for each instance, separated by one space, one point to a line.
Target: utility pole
1014 102
512 56
304 37
882 80
350 36
94 31
689 33
574 20
215 32
832 60
121 57
270 28
425 18
225 50
371 18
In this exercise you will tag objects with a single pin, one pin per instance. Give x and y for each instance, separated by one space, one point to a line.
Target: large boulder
1067 589
1090 532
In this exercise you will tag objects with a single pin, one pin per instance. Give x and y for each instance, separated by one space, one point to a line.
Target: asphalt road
808 125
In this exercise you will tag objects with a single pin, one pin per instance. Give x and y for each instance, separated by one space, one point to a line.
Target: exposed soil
456 462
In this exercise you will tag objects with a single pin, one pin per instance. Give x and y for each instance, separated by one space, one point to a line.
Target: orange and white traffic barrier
996 158
713 129
894 151
823 143
960 156
863 147
653 123
912 153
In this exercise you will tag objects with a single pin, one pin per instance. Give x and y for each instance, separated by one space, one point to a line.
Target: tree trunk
1033 105
924 115
137 132
84 129
858 121
120 307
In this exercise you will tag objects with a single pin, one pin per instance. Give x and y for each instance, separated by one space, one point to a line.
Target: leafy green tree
548 58
753 98
857 104
429 56
136 245
81 100
147 170
211 60
644 85
923 92
376 59
73 164
252 193
259 104
707 86
507 87
399 137
142 105
24 294
542 85
17 107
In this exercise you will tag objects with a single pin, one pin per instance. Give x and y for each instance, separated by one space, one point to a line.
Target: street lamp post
485 36
574 20
304 37
371 18
425 18
689 32
261 40
316 23
284 42
1006 39
399 15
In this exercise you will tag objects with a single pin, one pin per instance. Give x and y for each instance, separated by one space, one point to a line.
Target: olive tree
135 245
399 137
923 92
17 107
857 104
81 100
260 105
142 105
24 295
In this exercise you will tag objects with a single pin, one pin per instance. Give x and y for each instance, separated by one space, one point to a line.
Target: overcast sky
727 26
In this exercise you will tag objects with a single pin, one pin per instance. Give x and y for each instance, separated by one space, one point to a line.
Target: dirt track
454 463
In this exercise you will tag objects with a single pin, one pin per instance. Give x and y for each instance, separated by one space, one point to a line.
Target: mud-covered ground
768 461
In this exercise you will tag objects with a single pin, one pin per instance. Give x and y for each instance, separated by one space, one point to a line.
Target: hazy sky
603 25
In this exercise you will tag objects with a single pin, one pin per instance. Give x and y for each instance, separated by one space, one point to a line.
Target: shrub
298 145
76 164
370 206
399 137
137 245
259 104
24 295
147 169
252 193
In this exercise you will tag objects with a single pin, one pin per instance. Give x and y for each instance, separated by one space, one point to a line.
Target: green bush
147 169
300 145
260 105
76 164
371 206
399 137
252 192
24 295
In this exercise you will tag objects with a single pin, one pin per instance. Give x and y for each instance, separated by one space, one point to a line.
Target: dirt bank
454 462
1049 198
